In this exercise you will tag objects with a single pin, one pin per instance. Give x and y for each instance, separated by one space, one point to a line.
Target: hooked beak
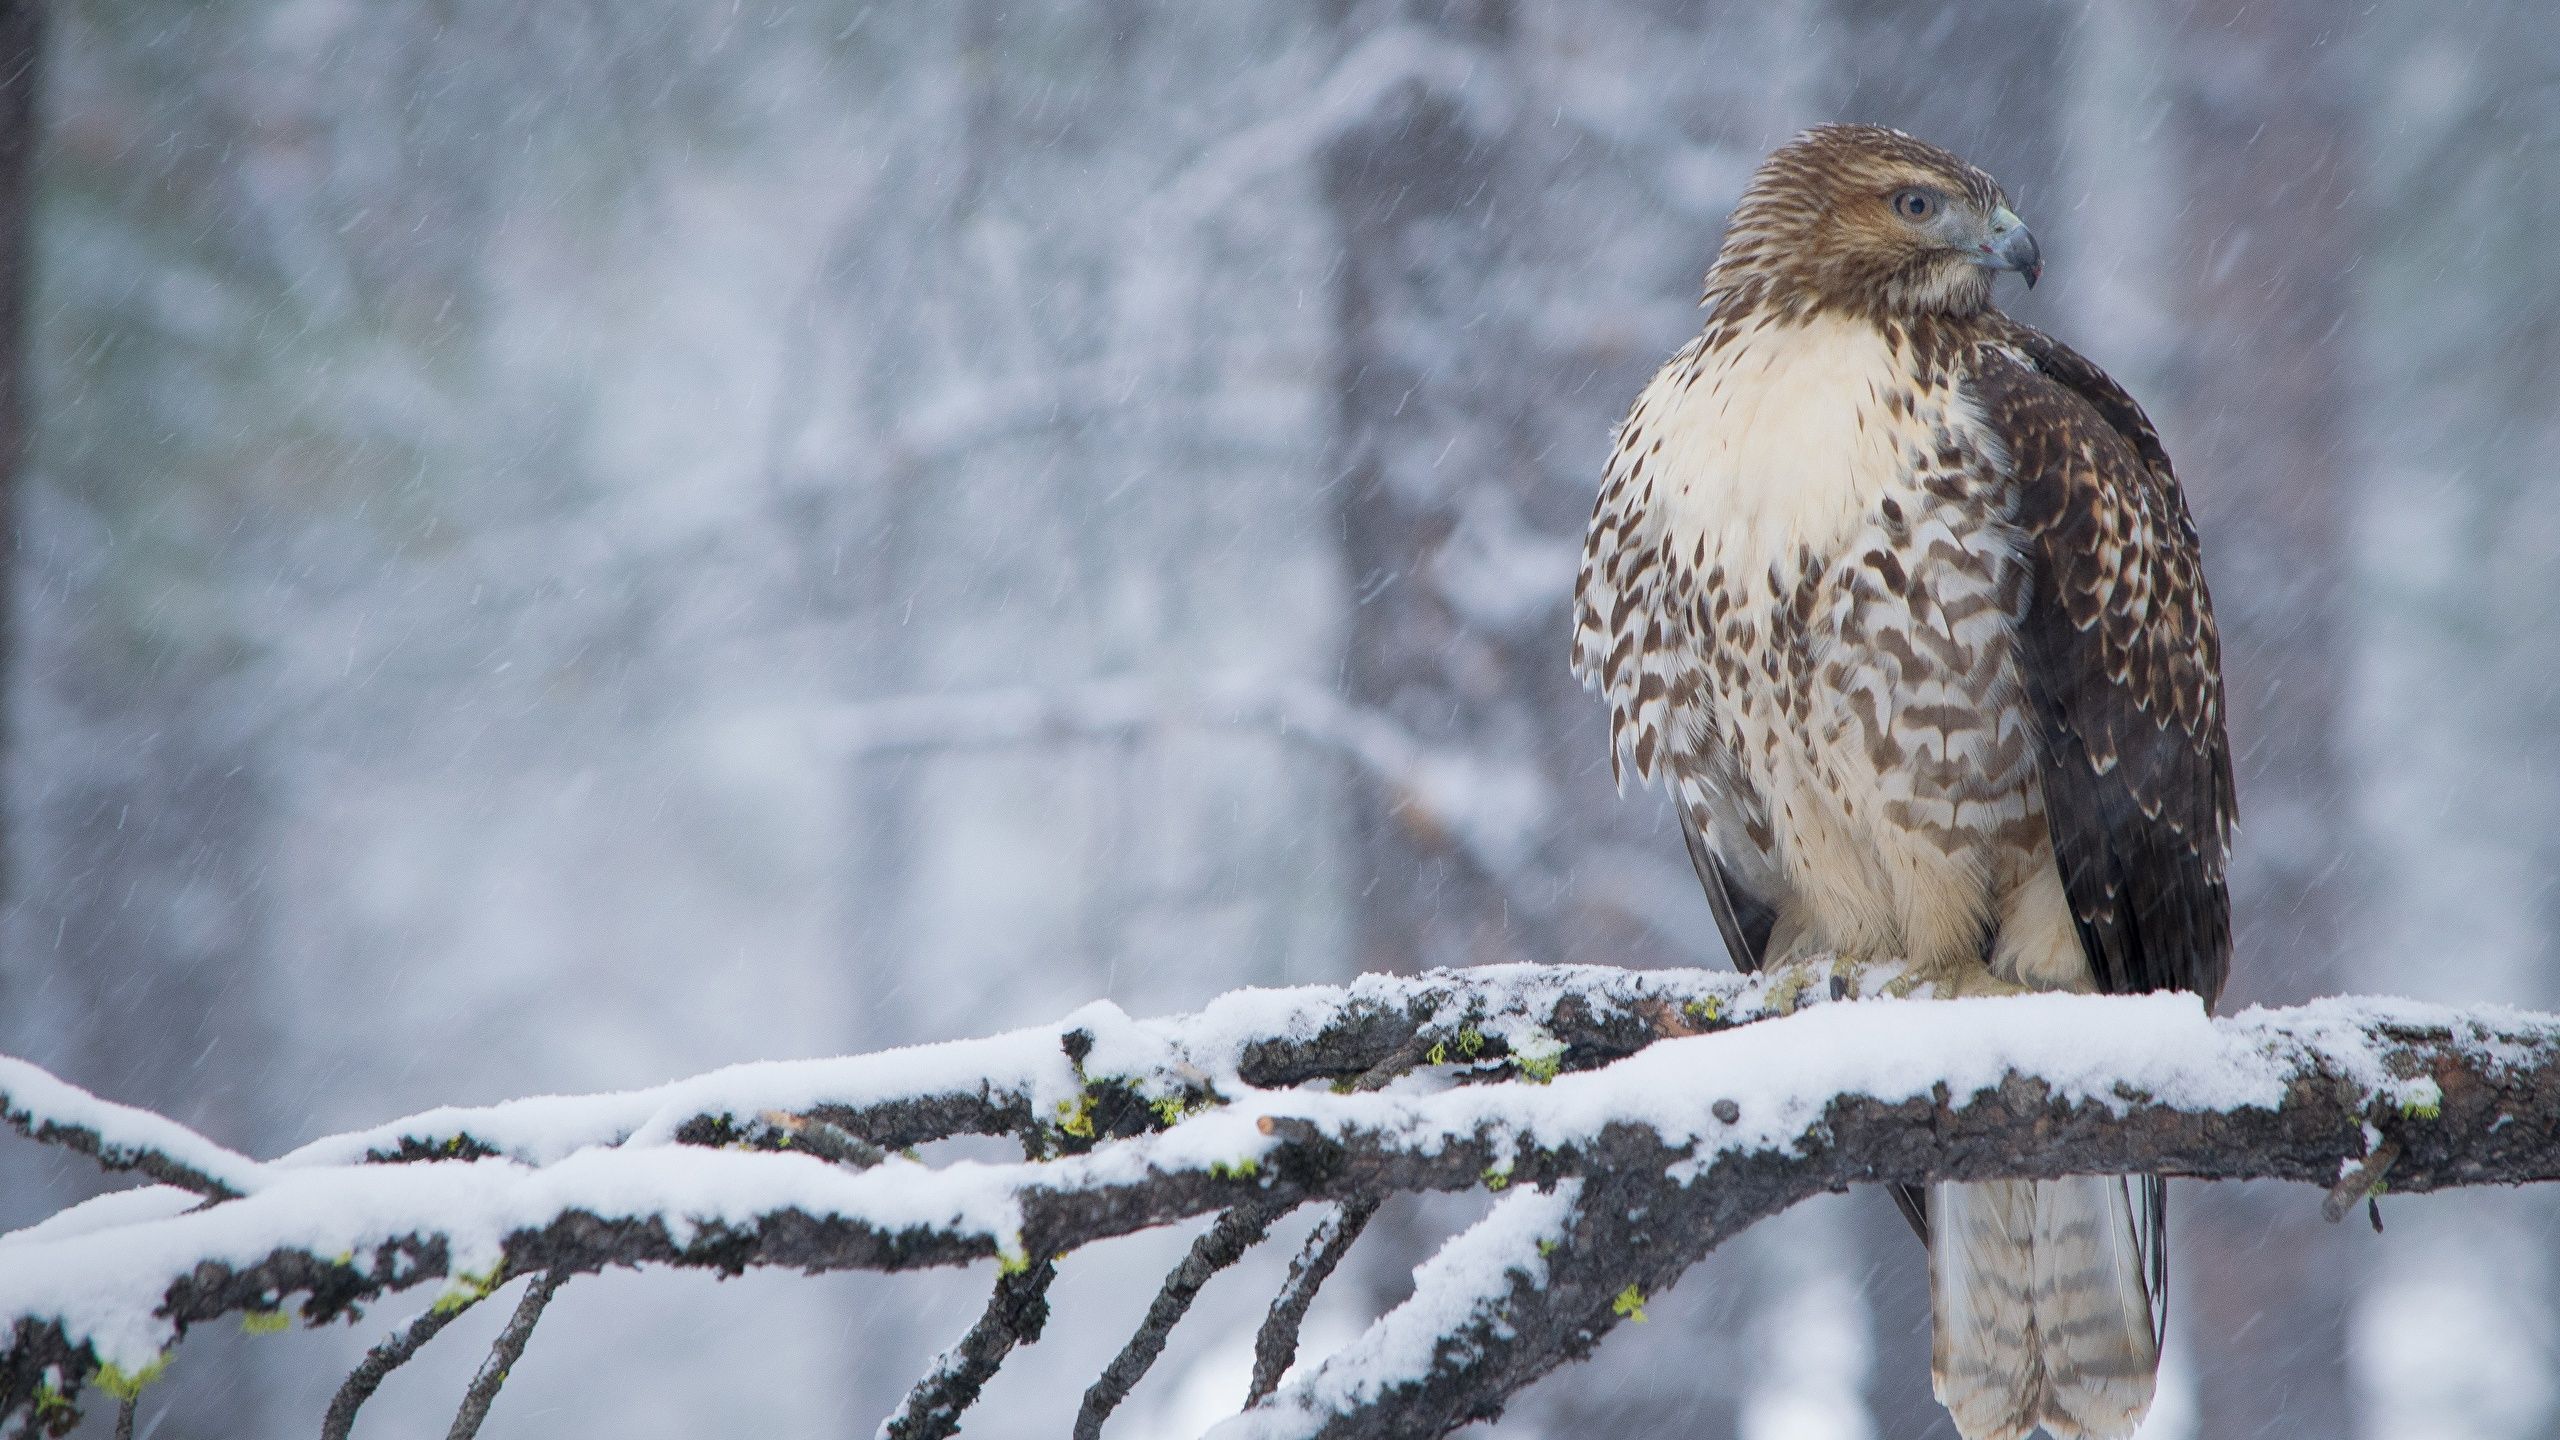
2009 245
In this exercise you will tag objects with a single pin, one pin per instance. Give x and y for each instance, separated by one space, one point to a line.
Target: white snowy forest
567 545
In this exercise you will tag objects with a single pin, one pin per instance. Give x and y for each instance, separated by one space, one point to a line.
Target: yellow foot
1789 984
1952 982
1835 977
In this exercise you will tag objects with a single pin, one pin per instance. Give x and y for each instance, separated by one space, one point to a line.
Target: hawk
1901 601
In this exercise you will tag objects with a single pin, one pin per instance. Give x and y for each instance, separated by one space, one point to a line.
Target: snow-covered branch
1632 1122
119 1137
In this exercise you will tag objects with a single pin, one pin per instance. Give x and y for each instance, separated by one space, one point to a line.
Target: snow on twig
1675 1095
1015 1315
1469 1282
1222 1245
504 1353
120 1137
1275 1346
1003 1084
390 1354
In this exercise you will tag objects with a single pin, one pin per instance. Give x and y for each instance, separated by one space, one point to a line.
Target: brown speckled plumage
1901 600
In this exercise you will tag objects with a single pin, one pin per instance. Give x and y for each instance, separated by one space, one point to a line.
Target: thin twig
1602 1012
124 1417
1398 1062
382 1359
828 1142
1276 1346
2360 1182
2490 1113
1015 1314
1223 1245
1237 1231
504 1354
182 1157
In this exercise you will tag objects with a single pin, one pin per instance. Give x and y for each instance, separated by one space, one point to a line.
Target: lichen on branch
1590 1094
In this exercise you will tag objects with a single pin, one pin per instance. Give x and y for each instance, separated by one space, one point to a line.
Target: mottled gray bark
2465 1099
2255 409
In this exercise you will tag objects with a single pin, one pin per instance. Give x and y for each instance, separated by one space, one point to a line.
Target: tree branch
378 1363
1222 1245
2360 1181
1680 1139
119 1137
1015 1314
504 1354
1275 1346
1006 1084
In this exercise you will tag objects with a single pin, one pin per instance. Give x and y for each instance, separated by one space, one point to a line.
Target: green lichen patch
126 1384
1536 1054
265 1322
1629 1306
469 1289
1468 1044
1172 1110
1075 1117
2421 1100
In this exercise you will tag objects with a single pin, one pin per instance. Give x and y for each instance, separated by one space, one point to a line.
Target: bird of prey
1901 601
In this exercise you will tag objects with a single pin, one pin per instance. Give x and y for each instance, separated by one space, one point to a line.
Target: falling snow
569 547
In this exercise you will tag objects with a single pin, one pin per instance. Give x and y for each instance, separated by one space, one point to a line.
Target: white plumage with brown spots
1901 601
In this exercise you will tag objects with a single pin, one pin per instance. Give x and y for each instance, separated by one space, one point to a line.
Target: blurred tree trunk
1520 248
2260 392
2256 415
2456 734
1057 418
1419 437
1410 184
139 845
21 72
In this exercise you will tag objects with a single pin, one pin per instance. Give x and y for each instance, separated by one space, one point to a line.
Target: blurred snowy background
571 543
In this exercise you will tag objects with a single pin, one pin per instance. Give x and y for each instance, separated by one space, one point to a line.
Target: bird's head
1861 218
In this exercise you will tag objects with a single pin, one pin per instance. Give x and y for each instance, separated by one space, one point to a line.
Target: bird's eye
1914 204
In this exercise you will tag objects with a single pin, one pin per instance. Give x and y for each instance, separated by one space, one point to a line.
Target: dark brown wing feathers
1744 919
2123 664
2124 667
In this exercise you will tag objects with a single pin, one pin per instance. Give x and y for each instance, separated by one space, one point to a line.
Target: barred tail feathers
2041 1308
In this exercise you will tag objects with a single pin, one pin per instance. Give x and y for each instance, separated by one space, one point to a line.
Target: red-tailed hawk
1901 600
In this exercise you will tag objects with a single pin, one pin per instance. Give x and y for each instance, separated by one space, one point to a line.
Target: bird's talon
1786 990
